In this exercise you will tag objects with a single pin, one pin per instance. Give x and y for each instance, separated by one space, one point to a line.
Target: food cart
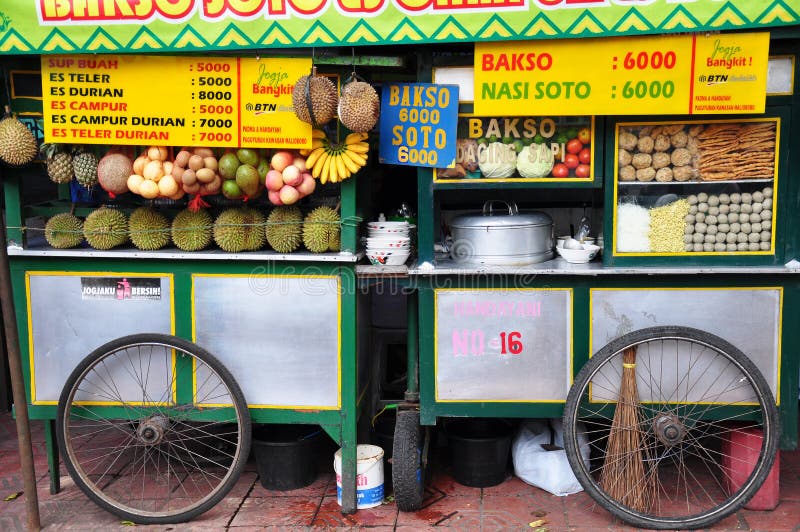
490 337
506 328
149 363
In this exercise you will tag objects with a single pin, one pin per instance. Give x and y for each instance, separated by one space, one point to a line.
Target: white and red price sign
648 75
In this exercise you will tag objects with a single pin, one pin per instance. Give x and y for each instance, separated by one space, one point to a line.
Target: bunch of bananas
335 162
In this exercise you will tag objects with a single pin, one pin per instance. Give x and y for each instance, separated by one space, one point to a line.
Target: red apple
274 197
281 160
274 180
307 186
289 195
300 163
292 175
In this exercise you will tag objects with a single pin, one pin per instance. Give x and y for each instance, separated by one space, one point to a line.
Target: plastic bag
547 469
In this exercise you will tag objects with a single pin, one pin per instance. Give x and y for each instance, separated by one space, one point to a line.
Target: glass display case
522 149
696 187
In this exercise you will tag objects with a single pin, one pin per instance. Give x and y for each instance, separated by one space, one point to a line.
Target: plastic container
480 450
285 456
369 476
740 449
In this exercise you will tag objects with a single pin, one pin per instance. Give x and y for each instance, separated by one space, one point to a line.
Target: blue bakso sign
418 124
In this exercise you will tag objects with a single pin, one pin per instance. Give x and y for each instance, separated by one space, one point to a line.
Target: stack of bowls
388 243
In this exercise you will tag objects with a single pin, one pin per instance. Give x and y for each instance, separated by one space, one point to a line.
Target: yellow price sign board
172 101
730 73
630 75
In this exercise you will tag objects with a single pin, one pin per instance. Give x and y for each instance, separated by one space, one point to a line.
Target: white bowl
561 239
388 225
390 257
388 242
384 228
579 256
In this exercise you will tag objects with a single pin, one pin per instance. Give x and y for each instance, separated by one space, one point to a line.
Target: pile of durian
234 230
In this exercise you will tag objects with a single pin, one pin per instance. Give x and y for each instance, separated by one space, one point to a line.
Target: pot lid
492 217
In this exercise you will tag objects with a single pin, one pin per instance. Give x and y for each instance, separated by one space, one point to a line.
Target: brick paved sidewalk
512 505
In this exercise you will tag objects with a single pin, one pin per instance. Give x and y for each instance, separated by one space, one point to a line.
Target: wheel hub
151 430
669 429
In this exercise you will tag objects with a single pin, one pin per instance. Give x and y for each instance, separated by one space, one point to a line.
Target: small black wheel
668 412
408 461
153 428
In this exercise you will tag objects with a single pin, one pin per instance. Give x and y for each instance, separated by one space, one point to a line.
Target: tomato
574 146
585 156
583 170
571 160
585 135
560 170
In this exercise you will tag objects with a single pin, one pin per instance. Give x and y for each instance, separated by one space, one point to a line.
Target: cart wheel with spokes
698 396
409 458
153 428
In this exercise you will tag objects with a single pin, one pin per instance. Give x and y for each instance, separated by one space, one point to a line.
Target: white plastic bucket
369 476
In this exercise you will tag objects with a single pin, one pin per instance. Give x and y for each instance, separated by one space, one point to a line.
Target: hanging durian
17 143
322 96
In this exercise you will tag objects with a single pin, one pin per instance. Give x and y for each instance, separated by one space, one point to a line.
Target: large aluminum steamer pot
507 239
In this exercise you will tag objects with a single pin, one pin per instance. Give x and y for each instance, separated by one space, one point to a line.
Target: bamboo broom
623 476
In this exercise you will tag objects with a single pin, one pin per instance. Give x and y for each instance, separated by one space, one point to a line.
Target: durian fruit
191 231
84 164
336 241
149 229
64 231
113 171
105 228
59 163
253 220
359 106
322 92
229 231
285 228
321 230
17 143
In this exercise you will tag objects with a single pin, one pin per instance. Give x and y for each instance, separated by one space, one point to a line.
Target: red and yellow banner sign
174 101
682 74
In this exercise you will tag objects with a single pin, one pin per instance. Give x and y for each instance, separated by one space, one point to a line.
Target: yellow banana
313 157
316 171
341 169
304 152
358 147
355 137
317 134
357 158
326 169
349 163
333 172
317 143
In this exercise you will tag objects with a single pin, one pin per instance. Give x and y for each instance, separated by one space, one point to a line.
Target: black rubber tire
185 433
765 411
408 473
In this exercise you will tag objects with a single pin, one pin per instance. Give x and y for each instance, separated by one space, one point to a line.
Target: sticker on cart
502 344
120 288
418 124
